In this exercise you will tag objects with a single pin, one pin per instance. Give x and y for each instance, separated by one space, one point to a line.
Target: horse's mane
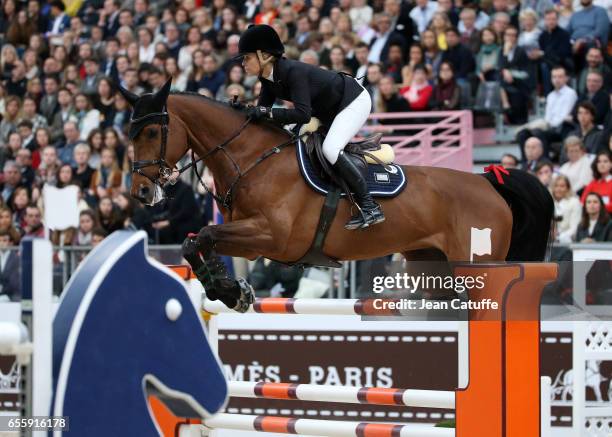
269 125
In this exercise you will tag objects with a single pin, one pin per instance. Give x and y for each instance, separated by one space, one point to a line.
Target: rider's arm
300 96
266 97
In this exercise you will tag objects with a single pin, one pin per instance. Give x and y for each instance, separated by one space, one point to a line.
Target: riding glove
257 112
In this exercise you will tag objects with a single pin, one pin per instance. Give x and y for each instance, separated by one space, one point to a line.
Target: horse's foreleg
201 253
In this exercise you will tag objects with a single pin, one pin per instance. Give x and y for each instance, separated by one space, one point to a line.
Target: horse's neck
215 125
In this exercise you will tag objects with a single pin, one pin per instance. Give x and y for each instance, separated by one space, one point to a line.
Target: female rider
338 100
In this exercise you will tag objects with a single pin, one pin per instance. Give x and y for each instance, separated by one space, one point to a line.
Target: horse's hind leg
212 274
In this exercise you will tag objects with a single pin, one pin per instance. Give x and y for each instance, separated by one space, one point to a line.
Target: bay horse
273 213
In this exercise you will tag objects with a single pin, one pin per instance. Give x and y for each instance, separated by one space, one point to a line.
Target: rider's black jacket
315 92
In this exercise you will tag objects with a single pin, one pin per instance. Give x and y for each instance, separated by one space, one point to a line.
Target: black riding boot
371 212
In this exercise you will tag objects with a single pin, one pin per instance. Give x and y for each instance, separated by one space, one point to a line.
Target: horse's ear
164 92
127 95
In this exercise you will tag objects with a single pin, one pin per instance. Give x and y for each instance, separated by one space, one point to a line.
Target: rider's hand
235 103
257 112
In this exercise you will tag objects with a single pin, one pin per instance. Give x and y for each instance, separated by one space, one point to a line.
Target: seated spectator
65 113
468 27
12 181
213 77
109 216
385 37
459 55
29 113
589 27
488 57
83 172
554 42
66 150
121 114
87 222
33 223
95 141
567 209
178 219
508 160
134 215
595 62
235 75
278 279
530 33
416 57
578 167
422 13
104 101
534 154
6 223
544 172
389 100
440 23
107 179
89 86
10 269
419 92
24 161
10 118
565 8
587 131
179 79
24 127
446 93
602 180
97 235
515 84
19 203
49 165
431 55
596 94
393 66
112 141
558 114
595 223
88 117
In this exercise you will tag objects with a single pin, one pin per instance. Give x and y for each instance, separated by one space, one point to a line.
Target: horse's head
155 151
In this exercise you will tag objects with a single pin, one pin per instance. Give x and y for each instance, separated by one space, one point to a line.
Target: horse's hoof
247 296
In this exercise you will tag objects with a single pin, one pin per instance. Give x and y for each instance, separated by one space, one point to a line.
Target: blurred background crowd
63 123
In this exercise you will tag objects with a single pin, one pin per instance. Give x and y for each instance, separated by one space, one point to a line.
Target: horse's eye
152 133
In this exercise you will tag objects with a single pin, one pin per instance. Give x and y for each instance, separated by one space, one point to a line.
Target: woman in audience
87 117
234 76
112 141
87 222
197 71
602 179
595 223
105 101
419 91
416 58
6 223
19 202
9 118
544 172
107 179
446 93
530 32
109 215
568 209
432 53
440 24
95 141
179 79
514 65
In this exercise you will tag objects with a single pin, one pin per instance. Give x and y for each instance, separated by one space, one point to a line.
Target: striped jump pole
328 428
349 395
330 307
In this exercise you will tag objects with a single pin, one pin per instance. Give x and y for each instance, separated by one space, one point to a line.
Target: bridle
164 177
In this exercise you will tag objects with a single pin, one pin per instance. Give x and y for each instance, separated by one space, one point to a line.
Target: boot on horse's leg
212 274
370 212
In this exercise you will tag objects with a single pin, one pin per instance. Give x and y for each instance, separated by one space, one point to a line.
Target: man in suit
596 94
10 268
399 11
65 114
379 47
89 85
458 55
48 104
60 21
109 17
534 154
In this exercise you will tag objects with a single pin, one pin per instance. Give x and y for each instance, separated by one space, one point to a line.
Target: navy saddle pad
381 183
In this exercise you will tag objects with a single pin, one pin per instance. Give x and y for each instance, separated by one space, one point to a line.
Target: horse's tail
532 209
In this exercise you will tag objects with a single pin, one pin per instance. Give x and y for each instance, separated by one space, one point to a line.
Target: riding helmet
260 37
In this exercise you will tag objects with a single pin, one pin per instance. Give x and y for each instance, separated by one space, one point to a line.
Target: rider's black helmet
260 37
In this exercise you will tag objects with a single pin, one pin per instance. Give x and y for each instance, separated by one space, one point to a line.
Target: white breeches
346 125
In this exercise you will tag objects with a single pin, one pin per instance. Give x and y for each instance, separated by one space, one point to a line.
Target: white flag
480 242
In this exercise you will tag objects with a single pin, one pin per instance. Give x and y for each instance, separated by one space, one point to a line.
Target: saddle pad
381 183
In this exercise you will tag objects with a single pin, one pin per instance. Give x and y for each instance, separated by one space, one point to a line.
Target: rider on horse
337 99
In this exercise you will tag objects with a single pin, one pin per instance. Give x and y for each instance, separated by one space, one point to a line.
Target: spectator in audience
65 113
88 117
557 121
431 55
12 180
71 135
459 56
49 105
393 66
16 85
134 215
534 154
19 202
385 37
416 57
279 279
60 21
10 269
554 42
23 159
179 219
440 23
587 130
595 223
488 57
389 100
589 27
107 179
499 23
9 152
213 77
566 10
514 65
87 222
418 93
530 33
97 235
578 167
6 223
33 223
109 215
567 209
446 92
468 27
602 179
10 118
49 165
597 96
544 172
508 160
24 128
422 13
595 63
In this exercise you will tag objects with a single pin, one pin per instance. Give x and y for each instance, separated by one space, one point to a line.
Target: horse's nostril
143 191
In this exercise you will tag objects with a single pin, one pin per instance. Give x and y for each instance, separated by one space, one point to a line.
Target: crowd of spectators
63 122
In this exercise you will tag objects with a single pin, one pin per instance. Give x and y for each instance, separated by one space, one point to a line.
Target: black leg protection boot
371 212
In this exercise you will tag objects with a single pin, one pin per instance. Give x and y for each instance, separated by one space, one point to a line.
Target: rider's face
251 64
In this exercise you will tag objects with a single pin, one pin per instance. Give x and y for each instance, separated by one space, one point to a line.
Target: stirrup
365 218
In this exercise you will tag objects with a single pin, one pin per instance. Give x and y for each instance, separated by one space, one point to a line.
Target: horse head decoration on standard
270 210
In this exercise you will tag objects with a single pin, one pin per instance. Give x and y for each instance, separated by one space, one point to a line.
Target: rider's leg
344 127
